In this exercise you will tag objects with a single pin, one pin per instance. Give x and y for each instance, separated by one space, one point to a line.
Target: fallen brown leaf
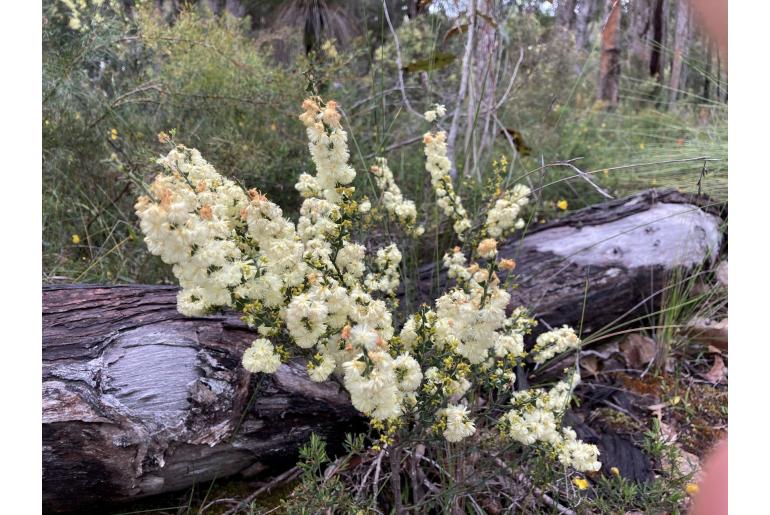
717 373
638 350
590 364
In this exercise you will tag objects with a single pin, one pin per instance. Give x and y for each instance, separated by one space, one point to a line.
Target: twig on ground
395 478
362 484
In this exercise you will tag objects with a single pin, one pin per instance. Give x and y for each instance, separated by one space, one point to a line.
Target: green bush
110 87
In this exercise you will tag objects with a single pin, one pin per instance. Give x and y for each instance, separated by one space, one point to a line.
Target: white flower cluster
536 417
191 225
554 342
576 454
394 203
438 165
386 279
311 290
470 321
503 217
382 391
458 423
437 112
261 357
328 147
457 265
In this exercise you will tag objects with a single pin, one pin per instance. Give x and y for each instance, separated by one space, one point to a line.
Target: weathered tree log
139 400
608 263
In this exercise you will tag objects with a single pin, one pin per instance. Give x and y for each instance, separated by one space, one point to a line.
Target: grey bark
486 64
138 400
707 74
585 15
639 33
565 14
681 48
614 258
462 92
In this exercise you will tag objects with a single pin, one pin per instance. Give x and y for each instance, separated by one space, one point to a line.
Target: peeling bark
608 87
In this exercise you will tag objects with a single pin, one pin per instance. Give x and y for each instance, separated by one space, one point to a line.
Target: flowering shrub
310 290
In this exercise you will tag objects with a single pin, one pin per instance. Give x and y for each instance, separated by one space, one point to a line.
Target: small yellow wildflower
581 483
75 239
692 489
641 146
615 471
113 134
329 48
562 204
675 400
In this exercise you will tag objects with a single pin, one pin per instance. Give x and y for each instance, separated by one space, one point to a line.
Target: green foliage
109 88
317 493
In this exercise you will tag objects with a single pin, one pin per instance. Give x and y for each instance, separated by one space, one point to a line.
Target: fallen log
605 264
139 400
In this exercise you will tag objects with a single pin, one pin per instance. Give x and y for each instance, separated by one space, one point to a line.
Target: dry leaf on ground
638 350
717 373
